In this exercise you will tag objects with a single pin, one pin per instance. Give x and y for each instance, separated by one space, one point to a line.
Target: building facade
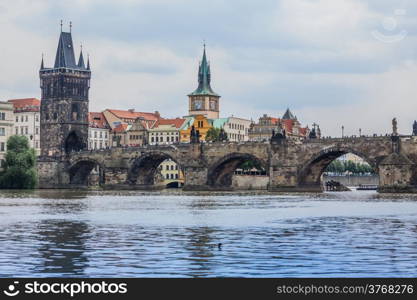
64 101
6 128
204 101
237 129
98 131
165 131
262 131
27 120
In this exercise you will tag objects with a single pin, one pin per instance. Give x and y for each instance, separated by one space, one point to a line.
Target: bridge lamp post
343 129
360 132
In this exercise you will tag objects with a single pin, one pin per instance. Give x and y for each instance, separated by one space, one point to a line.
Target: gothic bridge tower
203 101
64 101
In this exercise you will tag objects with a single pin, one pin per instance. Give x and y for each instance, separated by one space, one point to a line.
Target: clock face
198 104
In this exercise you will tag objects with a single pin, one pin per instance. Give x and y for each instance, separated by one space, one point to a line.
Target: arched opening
156 170
239 171
339 170
73 143
87 173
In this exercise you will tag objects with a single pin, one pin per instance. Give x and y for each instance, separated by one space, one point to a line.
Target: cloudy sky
334 62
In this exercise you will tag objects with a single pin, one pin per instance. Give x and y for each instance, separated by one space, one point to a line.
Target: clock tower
203 101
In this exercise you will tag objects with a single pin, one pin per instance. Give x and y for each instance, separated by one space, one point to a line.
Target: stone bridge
292 165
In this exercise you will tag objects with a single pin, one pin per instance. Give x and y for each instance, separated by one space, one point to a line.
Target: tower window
75 112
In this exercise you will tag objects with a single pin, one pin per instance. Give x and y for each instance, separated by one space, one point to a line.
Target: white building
98 131
6 128
27 120
165 132
237 129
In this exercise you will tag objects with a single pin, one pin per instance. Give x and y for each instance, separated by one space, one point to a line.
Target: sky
350 63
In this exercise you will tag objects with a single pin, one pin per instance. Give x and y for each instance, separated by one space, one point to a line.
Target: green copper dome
204 79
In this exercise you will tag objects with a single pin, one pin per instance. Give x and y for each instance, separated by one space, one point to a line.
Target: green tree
19 167
213 134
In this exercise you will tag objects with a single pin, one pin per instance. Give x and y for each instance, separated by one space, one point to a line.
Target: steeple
42 65
88 62
65 57
81 59
204 78
288 115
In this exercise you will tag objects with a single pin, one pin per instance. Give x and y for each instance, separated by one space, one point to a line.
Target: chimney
157 114
132 110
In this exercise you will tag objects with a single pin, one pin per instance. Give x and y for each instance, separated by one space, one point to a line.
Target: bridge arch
312 170
81 170
220 174
144 169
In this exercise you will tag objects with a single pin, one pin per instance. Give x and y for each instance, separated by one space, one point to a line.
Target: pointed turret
288 115
65 57
88 62
204 78
81 60
42 65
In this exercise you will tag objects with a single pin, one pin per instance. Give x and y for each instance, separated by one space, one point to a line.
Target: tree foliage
350 167
19 167
215 135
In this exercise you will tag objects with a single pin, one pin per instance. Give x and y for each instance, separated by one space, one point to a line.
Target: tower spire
88 61
204 77
81 59
65 57
42 65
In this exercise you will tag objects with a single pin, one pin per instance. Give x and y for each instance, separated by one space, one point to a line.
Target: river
174 234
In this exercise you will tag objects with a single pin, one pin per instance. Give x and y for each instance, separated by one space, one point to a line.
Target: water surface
174 234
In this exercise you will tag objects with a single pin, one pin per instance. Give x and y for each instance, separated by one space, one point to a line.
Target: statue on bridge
223 136
279 134
394 127
415 128
194 135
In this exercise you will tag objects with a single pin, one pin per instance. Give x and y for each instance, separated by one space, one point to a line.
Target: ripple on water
131 234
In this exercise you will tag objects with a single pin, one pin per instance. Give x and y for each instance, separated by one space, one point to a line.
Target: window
36 144
2 147
167 168
17 119
101 134
95 134
152 139
26 118
167 176
95 145
2 116
17 130
101 145
2 131
176 176
37 118
26 130
37 130
21 130
21 119
172 167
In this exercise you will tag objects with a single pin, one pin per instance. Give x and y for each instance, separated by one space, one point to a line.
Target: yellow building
171 173
200 123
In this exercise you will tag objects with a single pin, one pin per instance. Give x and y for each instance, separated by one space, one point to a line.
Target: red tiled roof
26 104
121 128
175 122
287 124
274 121
97 120
127 114
303 131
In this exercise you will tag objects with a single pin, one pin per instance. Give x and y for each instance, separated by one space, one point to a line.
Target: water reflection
62 248
134 234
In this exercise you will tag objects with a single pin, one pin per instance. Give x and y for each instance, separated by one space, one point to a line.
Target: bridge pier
195 178
397 174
